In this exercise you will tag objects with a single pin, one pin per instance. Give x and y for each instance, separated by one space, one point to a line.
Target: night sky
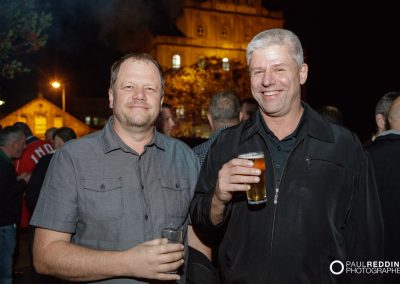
352 50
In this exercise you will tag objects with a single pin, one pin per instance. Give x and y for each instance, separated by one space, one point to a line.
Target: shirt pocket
102 199
176 195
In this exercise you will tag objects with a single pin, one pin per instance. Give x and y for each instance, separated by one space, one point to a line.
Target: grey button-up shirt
110 198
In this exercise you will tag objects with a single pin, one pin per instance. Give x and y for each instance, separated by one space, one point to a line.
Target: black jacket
11 192
326 209
385 156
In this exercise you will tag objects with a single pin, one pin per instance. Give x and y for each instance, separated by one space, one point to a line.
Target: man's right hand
234 175
156 259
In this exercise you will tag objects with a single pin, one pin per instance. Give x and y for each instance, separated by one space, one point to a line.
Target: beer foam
251 155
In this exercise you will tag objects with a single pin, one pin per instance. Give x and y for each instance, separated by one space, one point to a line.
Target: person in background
381 110
385 156
322 203
108 195
331 114
12 186
248 108
35 149
165 122
60 137
224 111
49 134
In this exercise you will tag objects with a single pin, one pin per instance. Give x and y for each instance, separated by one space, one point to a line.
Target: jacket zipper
277 191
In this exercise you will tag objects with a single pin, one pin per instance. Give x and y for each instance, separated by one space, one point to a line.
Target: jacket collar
314 125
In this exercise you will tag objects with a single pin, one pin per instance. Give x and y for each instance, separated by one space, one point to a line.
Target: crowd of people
96 205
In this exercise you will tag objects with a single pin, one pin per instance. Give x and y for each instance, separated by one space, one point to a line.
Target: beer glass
173 235
258 192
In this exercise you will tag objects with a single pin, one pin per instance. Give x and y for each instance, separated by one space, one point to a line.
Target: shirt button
279 147
146 217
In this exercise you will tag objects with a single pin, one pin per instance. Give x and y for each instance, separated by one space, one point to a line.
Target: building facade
221 28
40 114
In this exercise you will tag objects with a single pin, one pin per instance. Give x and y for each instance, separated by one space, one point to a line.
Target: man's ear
380 122
303 73
240 116
210 121
111 98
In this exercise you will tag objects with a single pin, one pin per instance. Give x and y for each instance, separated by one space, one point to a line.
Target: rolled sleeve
57 205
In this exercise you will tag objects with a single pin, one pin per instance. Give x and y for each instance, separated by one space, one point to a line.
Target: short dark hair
331 114
24 127
65 134
165 105
137 57
9 134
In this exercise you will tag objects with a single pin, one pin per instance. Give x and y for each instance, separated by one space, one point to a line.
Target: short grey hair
10 134
225 107
276 37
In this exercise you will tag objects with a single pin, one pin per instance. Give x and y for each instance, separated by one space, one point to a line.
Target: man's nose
268 78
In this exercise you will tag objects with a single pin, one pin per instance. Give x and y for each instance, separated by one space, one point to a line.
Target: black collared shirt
279 149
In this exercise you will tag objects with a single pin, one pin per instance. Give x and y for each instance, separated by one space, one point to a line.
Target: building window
180 112
225 64
247 35
202 63
58 121
200 31
176 61
40 124
224 32
22 118
95 121
88 120
250 2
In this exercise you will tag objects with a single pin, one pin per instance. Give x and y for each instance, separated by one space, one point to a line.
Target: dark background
351 48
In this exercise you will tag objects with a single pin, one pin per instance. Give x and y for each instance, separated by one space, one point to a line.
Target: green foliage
192 86
22 31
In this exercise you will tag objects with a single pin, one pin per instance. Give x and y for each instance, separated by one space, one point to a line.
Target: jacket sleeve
364 227
10 185
201 203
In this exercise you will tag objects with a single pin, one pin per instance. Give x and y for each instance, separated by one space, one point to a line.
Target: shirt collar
111 141
311 124
391 131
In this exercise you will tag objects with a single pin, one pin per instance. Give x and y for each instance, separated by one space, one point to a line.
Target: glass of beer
173 235
258 192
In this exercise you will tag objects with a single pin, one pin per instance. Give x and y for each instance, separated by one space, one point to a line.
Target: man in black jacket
322 213
385 156
12 144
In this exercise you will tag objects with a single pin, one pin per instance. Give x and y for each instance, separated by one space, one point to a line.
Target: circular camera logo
338 268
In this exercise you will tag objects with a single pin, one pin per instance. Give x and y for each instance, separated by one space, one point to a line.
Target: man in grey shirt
107 196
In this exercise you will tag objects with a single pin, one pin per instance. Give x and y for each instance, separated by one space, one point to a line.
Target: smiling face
276 79
136 96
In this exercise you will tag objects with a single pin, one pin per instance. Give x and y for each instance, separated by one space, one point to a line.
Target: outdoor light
56 85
